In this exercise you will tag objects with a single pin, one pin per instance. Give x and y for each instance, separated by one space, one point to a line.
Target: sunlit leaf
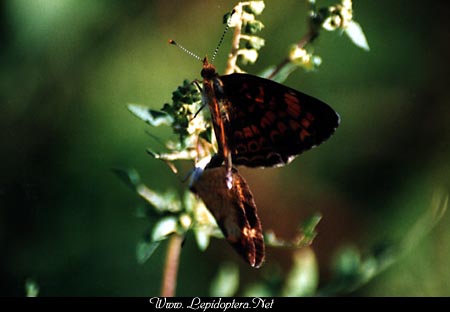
150 116
254 42
164 227
202 238
356 34
169 201
248 56
226 282
255 7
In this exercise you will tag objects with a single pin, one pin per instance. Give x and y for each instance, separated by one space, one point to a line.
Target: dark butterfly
261 123
257 123
234 210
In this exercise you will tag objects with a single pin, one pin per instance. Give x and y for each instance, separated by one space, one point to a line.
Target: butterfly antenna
223 35
185 50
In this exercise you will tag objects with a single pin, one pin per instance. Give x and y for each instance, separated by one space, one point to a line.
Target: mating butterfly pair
257 123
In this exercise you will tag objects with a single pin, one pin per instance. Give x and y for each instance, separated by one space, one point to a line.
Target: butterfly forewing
234 210
268 123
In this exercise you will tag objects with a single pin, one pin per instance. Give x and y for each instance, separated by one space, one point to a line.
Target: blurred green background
68 69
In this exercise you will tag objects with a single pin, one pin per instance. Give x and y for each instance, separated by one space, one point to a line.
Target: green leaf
255 7
356 34
202 238
303 278
144 250
31 288
309 226
129 176
255 42
164 228
226 282
252 27
167 202
150 116
347 262
281 75
257 290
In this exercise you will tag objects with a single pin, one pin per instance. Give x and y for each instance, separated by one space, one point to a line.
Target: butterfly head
209 71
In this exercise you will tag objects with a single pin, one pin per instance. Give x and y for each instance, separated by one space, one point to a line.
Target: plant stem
232 56
169 281
308 38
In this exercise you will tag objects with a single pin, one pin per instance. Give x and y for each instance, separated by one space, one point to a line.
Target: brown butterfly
234 210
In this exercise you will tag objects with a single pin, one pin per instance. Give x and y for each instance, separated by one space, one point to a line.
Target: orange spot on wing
304 134
259 100
294 124
306 123
260 97
293 105
268 119
282 127
255 130
247 132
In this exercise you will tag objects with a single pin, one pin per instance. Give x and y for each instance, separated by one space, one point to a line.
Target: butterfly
234 209
261 123
257 123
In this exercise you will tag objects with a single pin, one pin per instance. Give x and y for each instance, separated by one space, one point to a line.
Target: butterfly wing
269 124
234 210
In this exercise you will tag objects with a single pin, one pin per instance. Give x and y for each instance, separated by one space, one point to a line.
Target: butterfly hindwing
234 210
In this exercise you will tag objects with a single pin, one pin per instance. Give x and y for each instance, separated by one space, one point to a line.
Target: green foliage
338 17
355 33
226 282
31 288
68 69
351 269
145 249
185 103
303 278
307 233
169 214
130 177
